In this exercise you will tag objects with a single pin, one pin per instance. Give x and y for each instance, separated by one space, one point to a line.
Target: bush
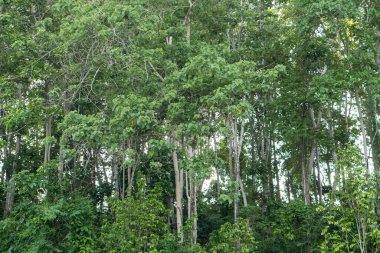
229 236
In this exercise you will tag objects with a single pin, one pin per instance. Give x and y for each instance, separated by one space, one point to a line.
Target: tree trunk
61 162
48 126
311 160
277 174
63 140
291 181
48 141
362 127
333 151
287 182
115 176
264 174
230 159
243 194
329 173
375 133
5 148
319 178
4 164
237 171
237 145
187 191
131 176
123 180
216 167
178 194
194 211
236 148
191 192
306 172
268 162
187 21
305 175
11 189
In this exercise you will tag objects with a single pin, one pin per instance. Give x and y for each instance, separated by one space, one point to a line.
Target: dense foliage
189 126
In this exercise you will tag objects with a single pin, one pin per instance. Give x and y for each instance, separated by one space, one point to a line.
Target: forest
210 126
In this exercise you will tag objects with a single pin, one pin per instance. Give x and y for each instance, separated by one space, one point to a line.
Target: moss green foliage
137 224
352 224
229 235
189 126
67 225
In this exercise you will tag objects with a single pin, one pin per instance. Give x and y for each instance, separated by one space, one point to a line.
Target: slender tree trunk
306 171
5 148
268 162
131 170
191 192
123 180
264 175
172 215
291 181
374 130
254 155
194 234
305 174
362 127
93 167
61 160
329 173
104 170
4 164
333 151
237 140
11 189
307 183
193 209
237 171
216 167
48 126
192 206
230 159
62 141
187 22
243 194
187 191
319 177
288 181
239 188
115 176
178 194
277 174
375 133
129 175
48 144
311 164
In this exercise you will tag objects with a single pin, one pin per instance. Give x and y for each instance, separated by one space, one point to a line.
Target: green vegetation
190 126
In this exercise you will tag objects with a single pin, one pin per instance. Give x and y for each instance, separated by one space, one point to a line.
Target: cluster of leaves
351 220
230 235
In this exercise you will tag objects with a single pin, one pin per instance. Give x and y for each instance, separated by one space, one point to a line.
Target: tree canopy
190 126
